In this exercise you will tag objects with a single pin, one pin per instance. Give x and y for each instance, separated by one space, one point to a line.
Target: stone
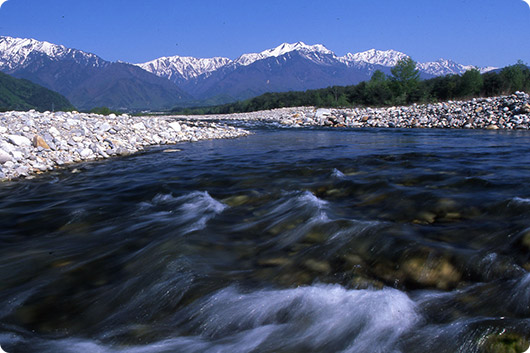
139 126
105 127
431 271
38 141
54 132
175 126
504 342
18 140
4 157
85 152
322 113
17 155
318 266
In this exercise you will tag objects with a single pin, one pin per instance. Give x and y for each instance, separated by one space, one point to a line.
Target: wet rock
235 201
274 261
431 270
505 342
525 240
318 266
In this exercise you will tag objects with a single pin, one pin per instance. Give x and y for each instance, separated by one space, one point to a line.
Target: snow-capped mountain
182 68
311 52
375 57
88 80
17 53
84 78
444 67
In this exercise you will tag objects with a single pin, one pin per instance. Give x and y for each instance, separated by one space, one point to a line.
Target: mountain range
89 81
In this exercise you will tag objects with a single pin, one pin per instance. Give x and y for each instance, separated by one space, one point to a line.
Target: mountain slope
84 78
89 81
126 87
19 94
180 69
287 67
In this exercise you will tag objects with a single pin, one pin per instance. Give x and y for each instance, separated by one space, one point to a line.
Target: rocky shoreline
505 112
32 142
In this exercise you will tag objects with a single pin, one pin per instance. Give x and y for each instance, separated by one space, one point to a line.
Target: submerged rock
505 342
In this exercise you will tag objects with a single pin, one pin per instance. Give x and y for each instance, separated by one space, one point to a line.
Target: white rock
19 140
3 130
85 153
17 155
54 132
139 126
105 127
4 157
322 112
175 126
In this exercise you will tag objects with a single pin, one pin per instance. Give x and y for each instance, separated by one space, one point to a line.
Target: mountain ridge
385 58
86 79
78 75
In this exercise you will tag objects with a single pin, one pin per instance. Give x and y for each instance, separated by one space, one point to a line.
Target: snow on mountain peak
247 59
298 46
15 52
377 57
186 67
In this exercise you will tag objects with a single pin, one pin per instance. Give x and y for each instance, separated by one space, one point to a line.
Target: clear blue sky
477 32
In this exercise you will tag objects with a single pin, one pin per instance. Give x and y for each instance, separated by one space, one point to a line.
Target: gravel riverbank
505 112
32 142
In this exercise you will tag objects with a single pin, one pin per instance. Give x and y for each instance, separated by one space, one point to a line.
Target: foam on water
338 174
193 210
314 319
320 317
520 200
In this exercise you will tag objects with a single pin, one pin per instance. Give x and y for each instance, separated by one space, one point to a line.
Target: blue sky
477 32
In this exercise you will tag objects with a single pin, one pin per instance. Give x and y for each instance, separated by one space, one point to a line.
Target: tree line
402 87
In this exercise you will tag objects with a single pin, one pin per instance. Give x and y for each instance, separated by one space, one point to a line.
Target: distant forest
402 87
19 94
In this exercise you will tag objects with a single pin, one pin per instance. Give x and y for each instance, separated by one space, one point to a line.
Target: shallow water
284 241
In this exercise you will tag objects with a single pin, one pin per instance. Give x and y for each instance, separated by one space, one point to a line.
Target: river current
289 240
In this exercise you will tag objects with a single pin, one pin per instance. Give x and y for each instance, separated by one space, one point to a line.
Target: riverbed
287 240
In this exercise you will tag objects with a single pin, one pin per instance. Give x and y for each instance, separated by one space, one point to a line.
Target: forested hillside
19 94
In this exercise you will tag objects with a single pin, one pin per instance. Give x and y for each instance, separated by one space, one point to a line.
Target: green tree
406 81
471 83
377 91
378 77
513 77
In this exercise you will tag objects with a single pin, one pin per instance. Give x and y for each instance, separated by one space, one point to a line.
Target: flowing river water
289 240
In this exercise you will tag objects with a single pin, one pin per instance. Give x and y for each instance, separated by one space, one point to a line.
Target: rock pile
506 112
32 142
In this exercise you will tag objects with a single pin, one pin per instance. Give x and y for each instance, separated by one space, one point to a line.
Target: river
288 240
